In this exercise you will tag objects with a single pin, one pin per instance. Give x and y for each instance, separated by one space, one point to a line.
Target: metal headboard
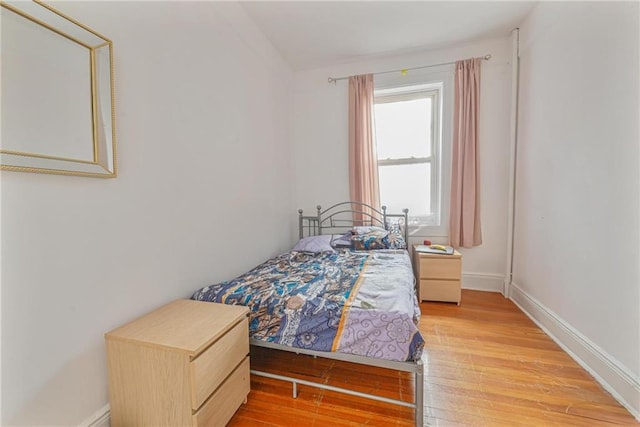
340 217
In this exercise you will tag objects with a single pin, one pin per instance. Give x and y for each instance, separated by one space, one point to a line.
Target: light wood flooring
487 364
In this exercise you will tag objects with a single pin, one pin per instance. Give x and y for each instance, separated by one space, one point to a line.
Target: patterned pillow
374 239
395 240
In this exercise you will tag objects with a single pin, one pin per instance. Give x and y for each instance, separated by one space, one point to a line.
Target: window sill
428 231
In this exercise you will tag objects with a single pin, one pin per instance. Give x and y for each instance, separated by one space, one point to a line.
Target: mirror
57 94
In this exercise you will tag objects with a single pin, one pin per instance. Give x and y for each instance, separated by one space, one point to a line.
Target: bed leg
419 394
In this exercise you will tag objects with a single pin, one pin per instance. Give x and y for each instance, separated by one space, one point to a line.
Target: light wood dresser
439 276
184 364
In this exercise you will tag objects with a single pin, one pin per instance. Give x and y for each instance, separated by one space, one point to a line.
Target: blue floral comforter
353 302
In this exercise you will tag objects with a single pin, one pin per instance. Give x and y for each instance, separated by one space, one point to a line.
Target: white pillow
366 229
341 240
314 244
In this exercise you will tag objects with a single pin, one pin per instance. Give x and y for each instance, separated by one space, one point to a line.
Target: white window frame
440 82
409 95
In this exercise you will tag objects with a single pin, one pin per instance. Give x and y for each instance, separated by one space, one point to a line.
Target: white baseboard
101 418
623 385
482 282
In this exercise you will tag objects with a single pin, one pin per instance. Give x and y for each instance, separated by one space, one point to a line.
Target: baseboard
101 418
482 282
623 385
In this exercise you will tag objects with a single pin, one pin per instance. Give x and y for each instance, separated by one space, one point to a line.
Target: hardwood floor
486 364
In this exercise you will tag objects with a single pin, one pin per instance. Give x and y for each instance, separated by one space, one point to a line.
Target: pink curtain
363 163
464 214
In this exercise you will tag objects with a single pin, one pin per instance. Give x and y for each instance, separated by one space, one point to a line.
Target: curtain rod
403 71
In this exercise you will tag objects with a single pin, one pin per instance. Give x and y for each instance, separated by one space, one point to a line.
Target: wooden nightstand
439 276
186 363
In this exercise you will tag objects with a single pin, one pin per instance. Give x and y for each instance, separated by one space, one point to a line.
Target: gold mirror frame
98 106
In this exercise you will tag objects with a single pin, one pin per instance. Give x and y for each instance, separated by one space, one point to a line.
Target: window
407 130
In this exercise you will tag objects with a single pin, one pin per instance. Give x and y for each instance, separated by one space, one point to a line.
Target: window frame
434 220
437 224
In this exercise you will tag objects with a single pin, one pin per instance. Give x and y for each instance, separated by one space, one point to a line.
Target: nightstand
439 276
186 363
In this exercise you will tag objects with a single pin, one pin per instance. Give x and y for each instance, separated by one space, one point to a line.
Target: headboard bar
329 219
370 208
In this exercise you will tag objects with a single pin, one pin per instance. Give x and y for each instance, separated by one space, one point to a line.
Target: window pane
403 129
406 186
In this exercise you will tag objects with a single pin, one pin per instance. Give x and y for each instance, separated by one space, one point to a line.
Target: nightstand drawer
440 268
218 410
440 290
211 367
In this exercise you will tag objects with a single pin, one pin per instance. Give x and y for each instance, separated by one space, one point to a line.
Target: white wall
203 125
577 241
27 74
321 143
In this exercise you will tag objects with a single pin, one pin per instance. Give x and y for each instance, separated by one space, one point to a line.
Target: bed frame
336 219
342 217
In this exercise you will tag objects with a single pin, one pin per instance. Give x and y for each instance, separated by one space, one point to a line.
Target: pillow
341 240
365 229
395 240
374 239
314 244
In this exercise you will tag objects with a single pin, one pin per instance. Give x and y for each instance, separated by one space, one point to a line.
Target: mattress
352 302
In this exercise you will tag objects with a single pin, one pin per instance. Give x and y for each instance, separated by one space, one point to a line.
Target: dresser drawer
210 368
440 268
218 410
440 290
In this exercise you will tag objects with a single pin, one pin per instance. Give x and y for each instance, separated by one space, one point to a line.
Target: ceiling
312 34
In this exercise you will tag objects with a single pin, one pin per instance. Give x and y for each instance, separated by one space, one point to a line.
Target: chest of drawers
184 364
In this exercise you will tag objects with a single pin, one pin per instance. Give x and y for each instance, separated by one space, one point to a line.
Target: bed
345 292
